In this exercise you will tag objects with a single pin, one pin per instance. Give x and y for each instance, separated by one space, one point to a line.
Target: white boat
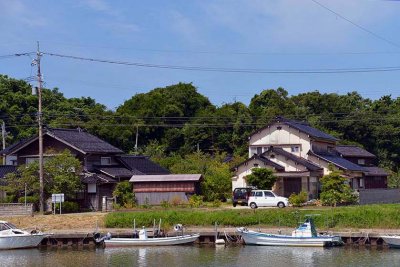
143 240
11 237
392 240
304 236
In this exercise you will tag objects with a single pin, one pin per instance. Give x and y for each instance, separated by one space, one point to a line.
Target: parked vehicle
392 240
241 195
266 198
304 236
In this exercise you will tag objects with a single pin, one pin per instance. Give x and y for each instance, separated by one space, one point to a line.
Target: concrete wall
15 209
381 195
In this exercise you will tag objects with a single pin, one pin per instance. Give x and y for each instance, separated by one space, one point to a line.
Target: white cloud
18 12
184 26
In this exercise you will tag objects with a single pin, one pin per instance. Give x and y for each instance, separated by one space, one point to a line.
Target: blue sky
262 34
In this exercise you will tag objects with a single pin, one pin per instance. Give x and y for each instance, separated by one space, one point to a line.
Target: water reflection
202 256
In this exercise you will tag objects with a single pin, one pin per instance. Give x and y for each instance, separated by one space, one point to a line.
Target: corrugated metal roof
165 178
353 151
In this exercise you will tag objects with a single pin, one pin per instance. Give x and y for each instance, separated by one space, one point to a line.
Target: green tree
263 178
334 189
61 175
123 192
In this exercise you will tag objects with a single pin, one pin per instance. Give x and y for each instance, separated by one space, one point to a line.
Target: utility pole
40 124
3 135
136 143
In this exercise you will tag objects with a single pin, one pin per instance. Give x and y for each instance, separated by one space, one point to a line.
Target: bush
29 199
196 201
165 204
176 201
67 207
297 199
123 192
216 203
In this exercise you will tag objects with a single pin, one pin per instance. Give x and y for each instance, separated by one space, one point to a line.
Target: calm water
202 256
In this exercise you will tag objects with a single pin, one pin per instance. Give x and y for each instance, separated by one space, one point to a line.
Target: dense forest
177 120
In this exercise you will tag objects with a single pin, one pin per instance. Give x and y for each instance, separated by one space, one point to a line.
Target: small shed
153 189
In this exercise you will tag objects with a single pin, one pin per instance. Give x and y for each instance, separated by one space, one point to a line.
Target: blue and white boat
304 236
392 240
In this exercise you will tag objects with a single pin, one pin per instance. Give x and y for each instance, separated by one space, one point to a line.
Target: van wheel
281 205
234 204
253 205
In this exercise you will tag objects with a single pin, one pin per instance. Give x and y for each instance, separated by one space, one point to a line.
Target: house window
295 149
255 165
330 149
361 161
361 183
91 188
105 161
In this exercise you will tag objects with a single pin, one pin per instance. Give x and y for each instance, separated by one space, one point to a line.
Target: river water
202 256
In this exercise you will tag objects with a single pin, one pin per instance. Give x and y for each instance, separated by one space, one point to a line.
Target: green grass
369 216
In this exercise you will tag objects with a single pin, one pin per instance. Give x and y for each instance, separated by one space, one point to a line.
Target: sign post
57 198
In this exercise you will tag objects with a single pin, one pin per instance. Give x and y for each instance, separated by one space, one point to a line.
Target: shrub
29 199
216 203
195 201
165 204
297 199
176 200
67 207
123 192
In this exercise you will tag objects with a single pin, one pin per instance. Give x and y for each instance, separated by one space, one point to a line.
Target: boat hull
262 239
158 241
392 241
21 241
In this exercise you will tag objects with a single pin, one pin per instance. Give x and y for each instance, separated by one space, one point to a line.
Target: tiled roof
338 161
306 128
84 141
141 165
375 171
95 178
115 172
263 159
353 151
77 138
166 178
302 161
15 145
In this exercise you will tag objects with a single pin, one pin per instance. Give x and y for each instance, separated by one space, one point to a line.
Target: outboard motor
98 239
178 227
143 234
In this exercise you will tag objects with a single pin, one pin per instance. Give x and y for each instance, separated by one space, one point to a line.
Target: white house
300 155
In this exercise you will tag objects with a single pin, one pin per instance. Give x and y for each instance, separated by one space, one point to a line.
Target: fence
16 209
381 195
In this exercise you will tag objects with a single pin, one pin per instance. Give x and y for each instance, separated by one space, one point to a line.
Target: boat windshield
7 226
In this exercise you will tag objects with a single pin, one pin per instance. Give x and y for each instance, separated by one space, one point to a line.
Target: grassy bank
371 216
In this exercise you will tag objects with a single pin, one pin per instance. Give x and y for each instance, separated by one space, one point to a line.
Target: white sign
57 198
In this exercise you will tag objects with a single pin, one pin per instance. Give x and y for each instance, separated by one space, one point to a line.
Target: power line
16 55
357 25
232 70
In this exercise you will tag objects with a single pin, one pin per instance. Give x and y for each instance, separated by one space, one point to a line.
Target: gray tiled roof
96 178
338 161
115 172
302 161
84 141
141 165
353 151
263 159
375 171
306 128
5 169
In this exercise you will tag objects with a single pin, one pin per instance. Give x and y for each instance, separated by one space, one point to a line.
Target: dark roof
375 171
306 128
263 159
353 151
303 127
115 172
5 169
96 178
338 161
15 145
84 141
76 138
141 165
166 178
302 161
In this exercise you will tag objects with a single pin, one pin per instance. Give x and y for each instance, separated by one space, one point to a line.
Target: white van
266 198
